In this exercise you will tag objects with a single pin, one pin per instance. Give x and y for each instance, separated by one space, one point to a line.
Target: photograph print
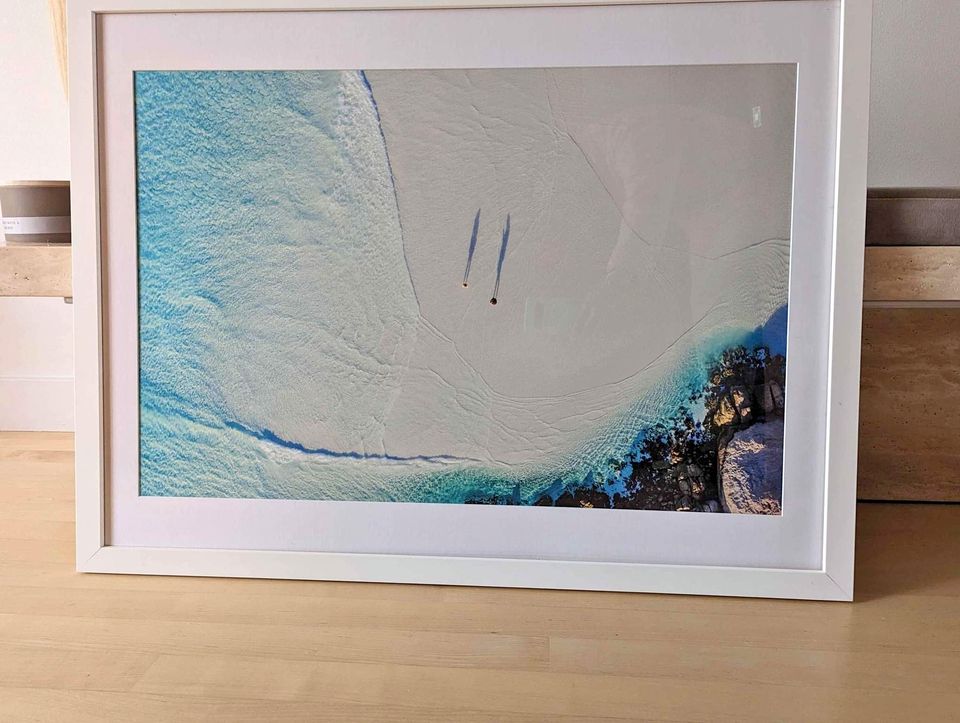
512 286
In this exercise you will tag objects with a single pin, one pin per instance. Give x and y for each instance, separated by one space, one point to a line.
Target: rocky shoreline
731 461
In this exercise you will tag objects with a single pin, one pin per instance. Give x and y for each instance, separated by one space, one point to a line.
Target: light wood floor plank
286 642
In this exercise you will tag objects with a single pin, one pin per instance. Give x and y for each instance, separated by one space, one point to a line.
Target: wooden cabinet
910 405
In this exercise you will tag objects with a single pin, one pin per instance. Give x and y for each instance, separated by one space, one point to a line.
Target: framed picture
561 296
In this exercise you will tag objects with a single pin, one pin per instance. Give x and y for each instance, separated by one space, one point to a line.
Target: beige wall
36 335
914 140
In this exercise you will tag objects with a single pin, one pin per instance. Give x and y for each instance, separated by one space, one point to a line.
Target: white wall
914 141
915 108
36 335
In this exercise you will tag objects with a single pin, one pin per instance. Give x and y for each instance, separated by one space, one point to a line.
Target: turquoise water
265 199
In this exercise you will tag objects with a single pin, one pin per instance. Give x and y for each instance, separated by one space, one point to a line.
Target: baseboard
36 404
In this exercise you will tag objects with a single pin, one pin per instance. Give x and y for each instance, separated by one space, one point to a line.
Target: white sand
639 200
642 204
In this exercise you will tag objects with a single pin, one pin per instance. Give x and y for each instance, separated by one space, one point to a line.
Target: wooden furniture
910 405
910 368
911 274
35 271
103 648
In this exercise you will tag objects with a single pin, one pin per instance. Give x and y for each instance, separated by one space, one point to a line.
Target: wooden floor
84 647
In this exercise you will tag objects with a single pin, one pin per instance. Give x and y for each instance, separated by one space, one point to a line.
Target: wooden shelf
911 273
35 271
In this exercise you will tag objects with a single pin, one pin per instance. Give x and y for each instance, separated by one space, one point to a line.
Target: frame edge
847 294
833 581
85 228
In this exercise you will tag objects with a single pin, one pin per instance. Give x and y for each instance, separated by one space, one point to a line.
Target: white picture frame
831 579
